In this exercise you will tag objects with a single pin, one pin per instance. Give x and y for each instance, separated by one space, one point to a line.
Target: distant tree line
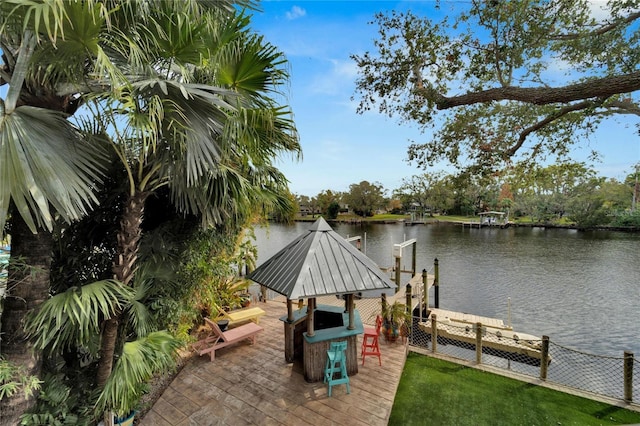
569 192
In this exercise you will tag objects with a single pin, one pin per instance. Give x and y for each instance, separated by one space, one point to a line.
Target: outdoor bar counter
331 324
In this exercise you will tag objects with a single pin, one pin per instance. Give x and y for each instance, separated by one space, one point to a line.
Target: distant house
305 210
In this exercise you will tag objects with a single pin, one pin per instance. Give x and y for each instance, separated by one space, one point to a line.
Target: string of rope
586 353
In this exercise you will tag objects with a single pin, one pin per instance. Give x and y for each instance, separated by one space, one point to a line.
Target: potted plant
245 299
394 317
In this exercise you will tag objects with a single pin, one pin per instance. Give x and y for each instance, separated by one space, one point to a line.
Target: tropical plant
14 379
394 318
212 260
180 91
60 404
72 320
46 170
139 361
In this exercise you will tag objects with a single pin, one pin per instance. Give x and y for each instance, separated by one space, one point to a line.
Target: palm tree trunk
123 270
27 288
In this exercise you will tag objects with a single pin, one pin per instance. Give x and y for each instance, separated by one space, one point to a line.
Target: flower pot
390 332
125 421
223 324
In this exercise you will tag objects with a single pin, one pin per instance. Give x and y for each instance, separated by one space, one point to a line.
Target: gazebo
321 263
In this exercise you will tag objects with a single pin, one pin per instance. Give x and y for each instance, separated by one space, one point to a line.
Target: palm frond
25 52
63 64
43 18
140 360
264 133
255 68
73 317
43 162
138 314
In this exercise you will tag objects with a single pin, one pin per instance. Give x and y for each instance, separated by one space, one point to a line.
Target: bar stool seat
335 370
370 343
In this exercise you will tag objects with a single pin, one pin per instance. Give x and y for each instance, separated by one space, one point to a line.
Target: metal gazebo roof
320 263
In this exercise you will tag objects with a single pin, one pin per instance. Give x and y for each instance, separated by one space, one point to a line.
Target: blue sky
341 147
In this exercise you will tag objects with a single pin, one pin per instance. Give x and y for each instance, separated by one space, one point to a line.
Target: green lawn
436 392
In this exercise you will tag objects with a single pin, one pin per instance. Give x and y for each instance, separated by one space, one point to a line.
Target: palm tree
178 126
46 169
181 92
54 53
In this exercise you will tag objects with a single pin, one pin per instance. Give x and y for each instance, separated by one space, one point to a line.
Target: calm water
579 288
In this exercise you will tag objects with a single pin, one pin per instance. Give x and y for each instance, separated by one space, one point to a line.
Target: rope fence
611 376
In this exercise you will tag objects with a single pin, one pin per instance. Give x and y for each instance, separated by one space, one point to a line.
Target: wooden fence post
413 260
425 291
628 376
434 333
478 343
436 283
398 271
408 296
544 358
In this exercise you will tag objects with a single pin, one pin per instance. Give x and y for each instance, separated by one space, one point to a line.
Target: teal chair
335 370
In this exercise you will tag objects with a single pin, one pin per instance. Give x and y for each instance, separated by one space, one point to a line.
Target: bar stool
370 345
336 365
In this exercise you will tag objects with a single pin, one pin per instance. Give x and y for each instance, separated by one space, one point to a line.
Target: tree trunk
123 270
27 289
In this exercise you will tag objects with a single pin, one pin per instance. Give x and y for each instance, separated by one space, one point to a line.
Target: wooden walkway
253 385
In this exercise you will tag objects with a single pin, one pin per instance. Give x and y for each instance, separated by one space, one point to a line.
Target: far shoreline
442 220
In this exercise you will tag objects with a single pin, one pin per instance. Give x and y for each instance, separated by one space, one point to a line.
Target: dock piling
628 376
436 283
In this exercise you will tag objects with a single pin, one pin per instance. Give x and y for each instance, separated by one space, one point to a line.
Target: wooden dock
254 385
464 318
497 338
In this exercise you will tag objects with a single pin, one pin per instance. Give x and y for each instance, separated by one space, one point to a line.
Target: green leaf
73 318
43 163
140 360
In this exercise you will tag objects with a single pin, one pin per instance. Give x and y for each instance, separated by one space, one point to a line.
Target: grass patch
457 218
437 392
387 216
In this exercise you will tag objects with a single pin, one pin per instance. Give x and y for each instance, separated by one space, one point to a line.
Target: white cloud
295 13
336 79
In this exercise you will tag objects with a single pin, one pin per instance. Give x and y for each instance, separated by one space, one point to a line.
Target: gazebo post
350 304
289 310
289 333
311 306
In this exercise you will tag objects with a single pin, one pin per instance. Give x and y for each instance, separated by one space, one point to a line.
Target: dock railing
610 376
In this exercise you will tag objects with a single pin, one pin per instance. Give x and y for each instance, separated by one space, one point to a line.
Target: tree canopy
504 81
365 197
